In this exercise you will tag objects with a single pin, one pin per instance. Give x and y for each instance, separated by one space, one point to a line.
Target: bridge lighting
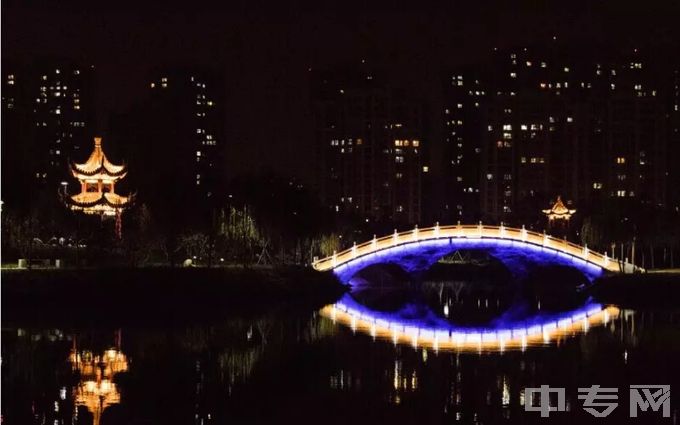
478 236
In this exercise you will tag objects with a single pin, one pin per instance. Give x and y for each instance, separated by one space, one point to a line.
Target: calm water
437 355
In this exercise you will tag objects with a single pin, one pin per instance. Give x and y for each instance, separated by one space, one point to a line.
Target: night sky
265 54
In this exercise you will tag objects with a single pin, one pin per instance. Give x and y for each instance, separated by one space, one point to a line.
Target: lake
432 354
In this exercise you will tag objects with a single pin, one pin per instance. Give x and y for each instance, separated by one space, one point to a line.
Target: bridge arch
417 249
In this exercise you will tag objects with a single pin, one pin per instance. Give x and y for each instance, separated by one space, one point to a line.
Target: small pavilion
98 177
559 213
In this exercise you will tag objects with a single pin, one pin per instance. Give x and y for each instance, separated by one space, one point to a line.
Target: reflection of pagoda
96 389
97 178
558 212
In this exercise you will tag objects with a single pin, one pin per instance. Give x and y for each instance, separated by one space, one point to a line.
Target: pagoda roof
96 202
97 165
559 210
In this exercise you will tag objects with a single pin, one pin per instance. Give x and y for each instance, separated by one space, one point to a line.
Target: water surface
456 358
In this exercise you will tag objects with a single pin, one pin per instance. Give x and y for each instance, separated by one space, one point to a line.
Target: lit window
416 143
507 127
620 160
597 185
566 69
489 176
570 119
426 169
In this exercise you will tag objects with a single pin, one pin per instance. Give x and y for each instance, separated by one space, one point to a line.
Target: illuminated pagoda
558 212
98 178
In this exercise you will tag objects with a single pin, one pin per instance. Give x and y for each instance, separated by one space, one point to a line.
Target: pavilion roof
95 202
559 210
97 165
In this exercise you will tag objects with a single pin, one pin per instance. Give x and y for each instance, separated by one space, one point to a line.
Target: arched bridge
520 249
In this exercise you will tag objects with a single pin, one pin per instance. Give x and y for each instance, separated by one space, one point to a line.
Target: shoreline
641 290
161 295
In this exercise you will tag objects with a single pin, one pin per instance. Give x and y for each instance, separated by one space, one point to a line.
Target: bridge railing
478 231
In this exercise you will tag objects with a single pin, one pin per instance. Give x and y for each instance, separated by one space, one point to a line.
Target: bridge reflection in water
438 334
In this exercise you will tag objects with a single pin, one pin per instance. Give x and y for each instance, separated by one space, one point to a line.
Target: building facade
553 122
369 147
48 115
185 125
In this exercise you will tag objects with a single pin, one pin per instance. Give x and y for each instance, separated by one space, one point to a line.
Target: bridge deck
473 232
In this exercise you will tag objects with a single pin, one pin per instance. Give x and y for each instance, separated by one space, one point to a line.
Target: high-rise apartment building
183 125
63 116
369 145
47 114
534 124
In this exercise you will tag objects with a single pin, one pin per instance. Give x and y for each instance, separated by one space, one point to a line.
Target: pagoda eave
81 171
101 206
